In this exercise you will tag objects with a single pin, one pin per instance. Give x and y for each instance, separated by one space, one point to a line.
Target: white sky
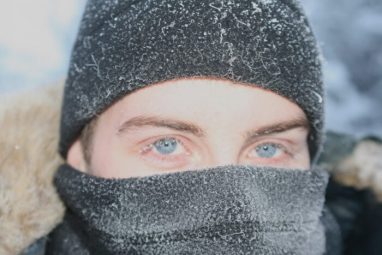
35 40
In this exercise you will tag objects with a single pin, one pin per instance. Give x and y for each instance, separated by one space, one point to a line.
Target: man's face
195 123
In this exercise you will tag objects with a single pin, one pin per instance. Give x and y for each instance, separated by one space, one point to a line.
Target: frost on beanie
124 45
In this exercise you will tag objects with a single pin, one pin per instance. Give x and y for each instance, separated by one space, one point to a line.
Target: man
190 88
193 127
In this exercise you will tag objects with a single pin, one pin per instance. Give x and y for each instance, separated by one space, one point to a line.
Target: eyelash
147 148
277 145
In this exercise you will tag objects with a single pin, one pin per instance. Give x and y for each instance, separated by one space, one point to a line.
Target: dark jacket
30 208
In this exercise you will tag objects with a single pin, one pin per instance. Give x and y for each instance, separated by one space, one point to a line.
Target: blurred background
36 39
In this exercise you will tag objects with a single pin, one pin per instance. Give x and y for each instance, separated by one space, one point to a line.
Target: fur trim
362 169
29 205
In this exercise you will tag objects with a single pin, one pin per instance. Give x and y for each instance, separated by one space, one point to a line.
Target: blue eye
166 145
267 150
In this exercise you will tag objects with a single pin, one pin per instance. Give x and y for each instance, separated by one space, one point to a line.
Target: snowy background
36 38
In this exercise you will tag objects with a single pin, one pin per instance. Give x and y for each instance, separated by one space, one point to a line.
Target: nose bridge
224 153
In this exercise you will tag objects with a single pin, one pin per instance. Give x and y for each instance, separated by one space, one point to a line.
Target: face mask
232 209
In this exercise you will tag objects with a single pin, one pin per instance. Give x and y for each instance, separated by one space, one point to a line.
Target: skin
139 134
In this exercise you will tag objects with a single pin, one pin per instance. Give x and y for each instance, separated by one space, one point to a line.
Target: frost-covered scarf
232 209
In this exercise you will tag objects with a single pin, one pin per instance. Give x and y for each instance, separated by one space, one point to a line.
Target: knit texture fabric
124 45
232 209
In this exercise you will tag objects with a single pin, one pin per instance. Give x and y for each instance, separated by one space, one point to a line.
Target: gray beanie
124 45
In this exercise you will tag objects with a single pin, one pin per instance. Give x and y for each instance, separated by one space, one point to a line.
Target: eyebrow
183 126
277 128
154 121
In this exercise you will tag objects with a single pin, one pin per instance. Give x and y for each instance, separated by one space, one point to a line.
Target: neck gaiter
232 209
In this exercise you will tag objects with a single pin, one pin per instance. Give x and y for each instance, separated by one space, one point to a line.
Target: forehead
212 101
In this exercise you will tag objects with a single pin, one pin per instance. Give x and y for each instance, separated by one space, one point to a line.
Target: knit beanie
125 45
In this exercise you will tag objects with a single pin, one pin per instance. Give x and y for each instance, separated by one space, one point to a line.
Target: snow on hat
124 45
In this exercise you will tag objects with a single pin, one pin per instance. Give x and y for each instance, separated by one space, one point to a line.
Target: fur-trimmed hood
29 205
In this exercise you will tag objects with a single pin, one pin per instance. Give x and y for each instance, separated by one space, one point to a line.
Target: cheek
111 160
102 163
307 159
303 160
